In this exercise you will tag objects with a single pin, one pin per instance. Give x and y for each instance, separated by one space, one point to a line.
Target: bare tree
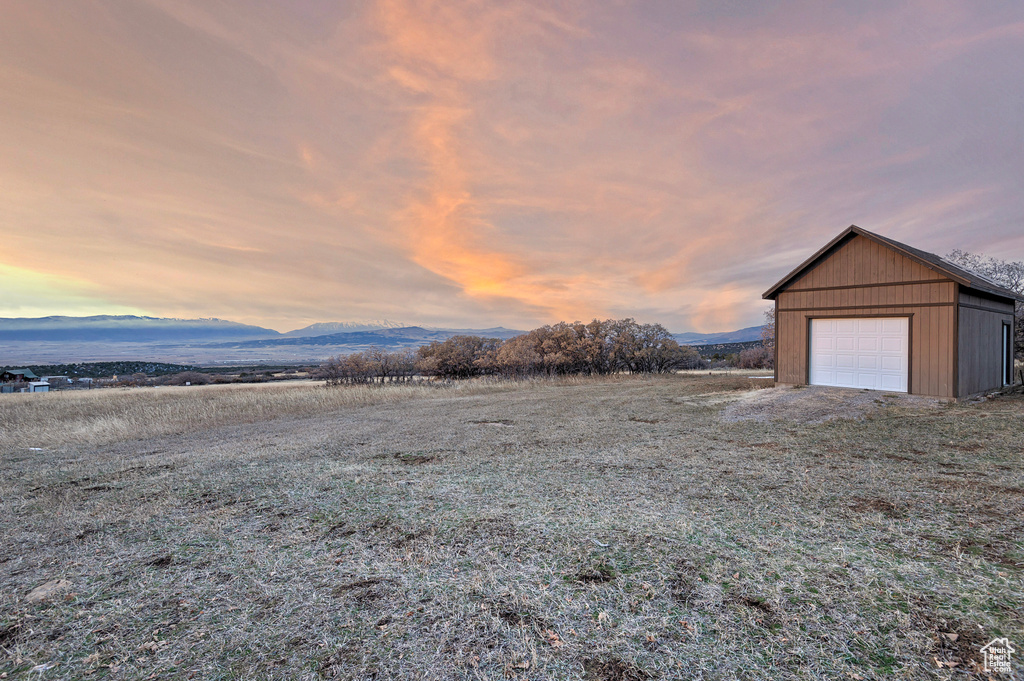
346 369
390 366
768 329
458 357
1008 275
600 347
519 356
756 358
405 363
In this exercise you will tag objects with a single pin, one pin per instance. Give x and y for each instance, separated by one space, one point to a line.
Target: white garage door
860 353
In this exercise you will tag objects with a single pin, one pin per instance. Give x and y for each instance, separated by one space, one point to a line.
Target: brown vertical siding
873 280
980 341
861 261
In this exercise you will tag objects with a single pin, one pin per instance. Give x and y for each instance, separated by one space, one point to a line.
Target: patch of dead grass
618 529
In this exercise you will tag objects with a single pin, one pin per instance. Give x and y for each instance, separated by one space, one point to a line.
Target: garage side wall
981 342
861 278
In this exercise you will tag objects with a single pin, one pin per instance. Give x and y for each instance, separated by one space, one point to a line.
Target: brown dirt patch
816 404
597 574
416 458
955 644
874 505
160 561
521 618
9 633
995 551
612 669
363 590
764 614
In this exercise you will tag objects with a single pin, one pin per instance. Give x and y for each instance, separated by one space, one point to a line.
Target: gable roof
26 373
929 260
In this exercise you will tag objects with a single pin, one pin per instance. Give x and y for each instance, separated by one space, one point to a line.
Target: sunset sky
474 164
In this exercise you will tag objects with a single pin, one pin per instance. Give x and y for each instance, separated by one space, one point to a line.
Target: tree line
762 356
1007 274
598 348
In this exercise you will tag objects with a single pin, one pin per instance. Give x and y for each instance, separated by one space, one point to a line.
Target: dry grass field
604 529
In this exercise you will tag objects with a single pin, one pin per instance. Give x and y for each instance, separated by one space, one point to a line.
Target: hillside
127 338
751 333
408 336
126 329
326 328
723 349
106 369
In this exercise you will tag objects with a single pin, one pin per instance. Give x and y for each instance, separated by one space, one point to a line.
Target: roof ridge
963 276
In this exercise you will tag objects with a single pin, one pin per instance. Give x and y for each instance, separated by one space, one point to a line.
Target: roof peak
934 262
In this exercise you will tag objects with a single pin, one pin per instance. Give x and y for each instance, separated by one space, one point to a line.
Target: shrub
757 358
190 377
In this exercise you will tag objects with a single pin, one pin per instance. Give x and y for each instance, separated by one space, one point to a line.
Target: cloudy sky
481 163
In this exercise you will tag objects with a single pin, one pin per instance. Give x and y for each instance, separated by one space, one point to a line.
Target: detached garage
871 313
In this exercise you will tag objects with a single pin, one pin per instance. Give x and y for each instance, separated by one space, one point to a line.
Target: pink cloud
478 162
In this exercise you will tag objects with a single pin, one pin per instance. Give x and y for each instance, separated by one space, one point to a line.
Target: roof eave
888 243
1001 293
922 258
774 290
898 247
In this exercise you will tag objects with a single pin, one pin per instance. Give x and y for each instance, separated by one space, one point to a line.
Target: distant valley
61 339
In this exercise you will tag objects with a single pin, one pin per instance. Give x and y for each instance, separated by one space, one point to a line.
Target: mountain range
325 328
406 336
751 333
116 337
133 329
125 328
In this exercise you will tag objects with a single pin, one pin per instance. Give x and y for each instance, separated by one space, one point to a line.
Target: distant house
866 311
17 376
38 387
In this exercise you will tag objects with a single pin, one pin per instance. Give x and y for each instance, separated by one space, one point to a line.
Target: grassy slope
605 529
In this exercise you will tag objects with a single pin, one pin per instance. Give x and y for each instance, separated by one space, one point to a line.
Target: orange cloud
454 161
440 49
